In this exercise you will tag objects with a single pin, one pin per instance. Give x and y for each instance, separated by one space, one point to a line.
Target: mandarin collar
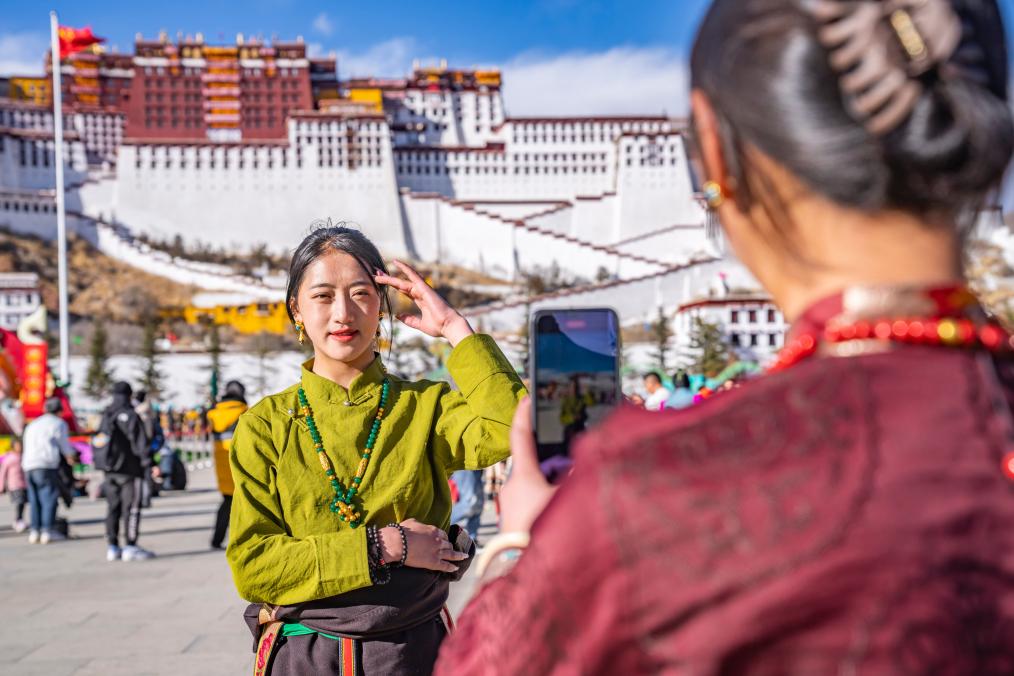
360 389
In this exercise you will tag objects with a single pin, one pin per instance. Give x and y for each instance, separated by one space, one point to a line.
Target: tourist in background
223 418
46 443
682 396
12 482
658 394
341 508
146 411
122 451
467 511
850 512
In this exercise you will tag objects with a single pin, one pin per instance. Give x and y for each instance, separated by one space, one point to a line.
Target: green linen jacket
286 545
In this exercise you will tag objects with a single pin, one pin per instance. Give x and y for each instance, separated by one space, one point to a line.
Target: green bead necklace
342 503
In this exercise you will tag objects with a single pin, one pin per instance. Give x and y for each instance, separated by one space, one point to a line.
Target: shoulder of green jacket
280 403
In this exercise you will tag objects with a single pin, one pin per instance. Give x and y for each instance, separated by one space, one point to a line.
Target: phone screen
576 369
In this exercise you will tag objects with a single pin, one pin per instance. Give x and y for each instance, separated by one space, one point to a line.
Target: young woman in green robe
339 519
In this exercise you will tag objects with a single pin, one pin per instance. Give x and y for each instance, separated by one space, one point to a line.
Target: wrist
391 546
456 330
500 554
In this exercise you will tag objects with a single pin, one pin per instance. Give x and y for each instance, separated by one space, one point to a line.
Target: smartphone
575 370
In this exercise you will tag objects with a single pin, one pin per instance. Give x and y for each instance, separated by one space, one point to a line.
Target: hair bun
892 104
880 48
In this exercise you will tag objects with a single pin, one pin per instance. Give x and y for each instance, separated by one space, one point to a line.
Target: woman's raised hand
428 547
437 318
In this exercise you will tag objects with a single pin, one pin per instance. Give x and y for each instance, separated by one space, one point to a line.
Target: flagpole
61 218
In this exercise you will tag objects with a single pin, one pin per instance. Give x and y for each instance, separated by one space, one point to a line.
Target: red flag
75 39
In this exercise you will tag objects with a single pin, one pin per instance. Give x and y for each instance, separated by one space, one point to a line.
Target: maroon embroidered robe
846 516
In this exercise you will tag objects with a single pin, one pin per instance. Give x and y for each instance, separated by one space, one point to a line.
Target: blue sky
494 31
558 56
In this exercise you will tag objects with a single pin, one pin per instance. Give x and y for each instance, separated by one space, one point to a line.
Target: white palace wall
654 187
33 213
636 299
458 234
539 192
674 245
515 209
267 194
28 160
595 218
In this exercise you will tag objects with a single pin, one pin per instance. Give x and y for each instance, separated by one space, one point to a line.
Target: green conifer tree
98 379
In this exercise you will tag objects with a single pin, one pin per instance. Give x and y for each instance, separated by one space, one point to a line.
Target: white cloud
391 58
23 53
323 24
622 80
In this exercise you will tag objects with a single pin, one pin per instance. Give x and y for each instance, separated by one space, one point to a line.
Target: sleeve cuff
475 359
343 562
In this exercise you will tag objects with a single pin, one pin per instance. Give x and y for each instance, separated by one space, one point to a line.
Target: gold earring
714 195
302 334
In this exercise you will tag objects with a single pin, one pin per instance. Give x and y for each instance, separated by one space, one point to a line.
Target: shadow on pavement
193 552
146 533
145 516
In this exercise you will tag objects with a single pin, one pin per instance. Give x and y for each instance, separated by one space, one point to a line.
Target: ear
711 160
295 311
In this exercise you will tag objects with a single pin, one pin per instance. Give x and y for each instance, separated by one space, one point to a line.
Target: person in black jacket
127 461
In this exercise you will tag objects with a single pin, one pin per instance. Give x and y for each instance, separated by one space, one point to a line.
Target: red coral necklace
865 324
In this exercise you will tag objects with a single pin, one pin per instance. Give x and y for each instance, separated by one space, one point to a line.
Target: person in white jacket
657 393
45 444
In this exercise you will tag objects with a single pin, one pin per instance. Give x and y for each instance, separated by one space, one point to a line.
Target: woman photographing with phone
848 513
341 499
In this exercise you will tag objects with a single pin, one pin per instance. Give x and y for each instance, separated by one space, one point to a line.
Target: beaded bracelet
380 571
404 544
510 543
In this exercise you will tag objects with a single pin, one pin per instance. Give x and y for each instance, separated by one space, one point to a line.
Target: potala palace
248 143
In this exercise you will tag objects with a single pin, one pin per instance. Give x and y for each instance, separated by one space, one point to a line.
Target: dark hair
681 380
53 405
327 237
770 81
234 388
653 374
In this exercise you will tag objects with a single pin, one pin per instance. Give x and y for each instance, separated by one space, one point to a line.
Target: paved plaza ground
68 611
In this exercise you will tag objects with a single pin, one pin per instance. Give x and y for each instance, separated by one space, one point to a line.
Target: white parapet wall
462 234
33 213
170 191
190 273
654 187
635 300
